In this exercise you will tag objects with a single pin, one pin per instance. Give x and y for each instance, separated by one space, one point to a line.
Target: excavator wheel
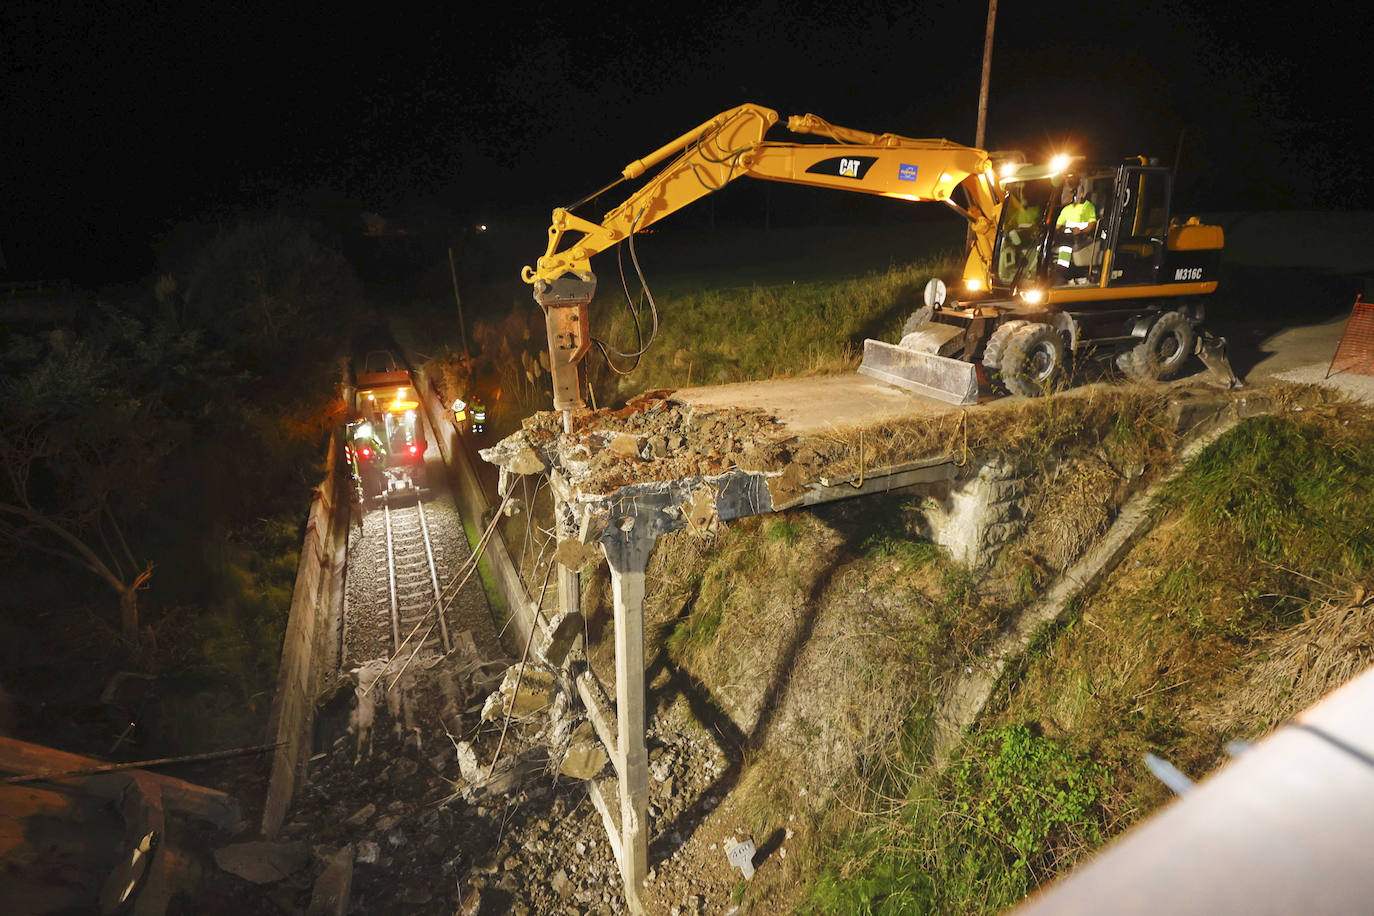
995 348
1163 352
1033 360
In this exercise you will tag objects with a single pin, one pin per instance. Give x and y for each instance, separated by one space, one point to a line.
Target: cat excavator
1062 258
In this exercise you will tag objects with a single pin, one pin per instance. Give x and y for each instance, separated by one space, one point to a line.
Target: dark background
121 121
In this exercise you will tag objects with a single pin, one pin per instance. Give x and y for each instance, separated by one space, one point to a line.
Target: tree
266 287
88 429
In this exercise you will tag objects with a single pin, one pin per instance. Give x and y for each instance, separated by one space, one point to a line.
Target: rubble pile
655 437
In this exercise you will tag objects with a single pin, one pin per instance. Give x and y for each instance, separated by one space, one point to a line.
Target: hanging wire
698 149
641 343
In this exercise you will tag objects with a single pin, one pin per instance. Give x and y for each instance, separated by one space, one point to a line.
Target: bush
1006 815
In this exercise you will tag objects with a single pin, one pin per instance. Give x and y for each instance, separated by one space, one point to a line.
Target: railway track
417 618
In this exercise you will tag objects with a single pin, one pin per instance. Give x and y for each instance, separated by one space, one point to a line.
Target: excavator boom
729 146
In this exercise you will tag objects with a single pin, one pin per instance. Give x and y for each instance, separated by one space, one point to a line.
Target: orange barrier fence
1355 352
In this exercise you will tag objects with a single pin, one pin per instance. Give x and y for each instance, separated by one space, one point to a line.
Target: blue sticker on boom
906 172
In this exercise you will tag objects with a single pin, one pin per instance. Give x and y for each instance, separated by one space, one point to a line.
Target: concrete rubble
262 861
329 896
585 757
524 689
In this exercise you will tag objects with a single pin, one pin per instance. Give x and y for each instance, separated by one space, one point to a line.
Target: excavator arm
730 146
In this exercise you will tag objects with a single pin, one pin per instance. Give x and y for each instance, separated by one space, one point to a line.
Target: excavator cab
1036 247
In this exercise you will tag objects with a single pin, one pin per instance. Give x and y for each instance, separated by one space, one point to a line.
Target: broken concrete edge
785 488
599 790
329 896
600 712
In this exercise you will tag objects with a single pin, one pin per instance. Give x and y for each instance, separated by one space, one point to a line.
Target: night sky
120 120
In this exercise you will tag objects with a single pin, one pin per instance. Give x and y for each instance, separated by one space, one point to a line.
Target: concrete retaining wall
315 602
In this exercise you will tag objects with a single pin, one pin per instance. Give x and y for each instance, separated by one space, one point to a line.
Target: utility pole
987 70
462 329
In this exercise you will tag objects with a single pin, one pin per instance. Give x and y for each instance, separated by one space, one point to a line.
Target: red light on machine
365 452
414 449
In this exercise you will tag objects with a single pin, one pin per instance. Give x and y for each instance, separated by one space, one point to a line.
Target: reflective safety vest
479 412
1077 216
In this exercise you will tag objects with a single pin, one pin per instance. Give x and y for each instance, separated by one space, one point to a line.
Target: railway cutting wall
316 605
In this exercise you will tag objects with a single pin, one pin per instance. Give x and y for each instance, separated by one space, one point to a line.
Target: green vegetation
1266 483
998 822
710 335
163 444
1234 614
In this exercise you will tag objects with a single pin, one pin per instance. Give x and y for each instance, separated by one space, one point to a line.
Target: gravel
1358 387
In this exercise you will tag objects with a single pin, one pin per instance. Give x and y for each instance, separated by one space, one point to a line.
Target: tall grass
711 334
1270 480
1255 584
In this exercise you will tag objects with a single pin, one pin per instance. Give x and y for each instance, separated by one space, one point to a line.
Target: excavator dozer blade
952 381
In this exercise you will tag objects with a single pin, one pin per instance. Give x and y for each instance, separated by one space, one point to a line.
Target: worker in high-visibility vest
1075 225
479 416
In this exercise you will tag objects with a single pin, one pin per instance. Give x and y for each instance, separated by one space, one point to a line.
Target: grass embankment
711 334
816 642
1248 603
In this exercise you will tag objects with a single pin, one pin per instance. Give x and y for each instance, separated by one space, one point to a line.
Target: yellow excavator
1061 257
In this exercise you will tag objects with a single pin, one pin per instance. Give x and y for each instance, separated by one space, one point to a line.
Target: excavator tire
1033 361
1163 352
995 348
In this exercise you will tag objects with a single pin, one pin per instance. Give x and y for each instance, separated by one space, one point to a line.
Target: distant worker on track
479 416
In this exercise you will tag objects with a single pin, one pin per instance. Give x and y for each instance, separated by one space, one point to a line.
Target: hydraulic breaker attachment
1211 349
564 302
952 381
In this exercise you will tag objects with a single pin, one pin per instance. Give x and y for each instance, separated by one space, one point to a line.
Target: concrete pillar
628 543
569 580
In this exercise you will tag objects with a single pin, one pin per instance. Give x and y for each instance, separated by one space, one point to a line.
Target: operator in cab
1075 232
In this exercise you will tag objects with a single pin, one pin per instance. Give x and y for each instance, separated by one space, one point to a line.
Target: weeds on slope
1251 599
1007 814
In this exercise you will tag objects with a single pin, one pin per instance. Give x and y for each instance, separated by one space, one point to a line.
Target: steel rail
391 581
438 604
403 560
